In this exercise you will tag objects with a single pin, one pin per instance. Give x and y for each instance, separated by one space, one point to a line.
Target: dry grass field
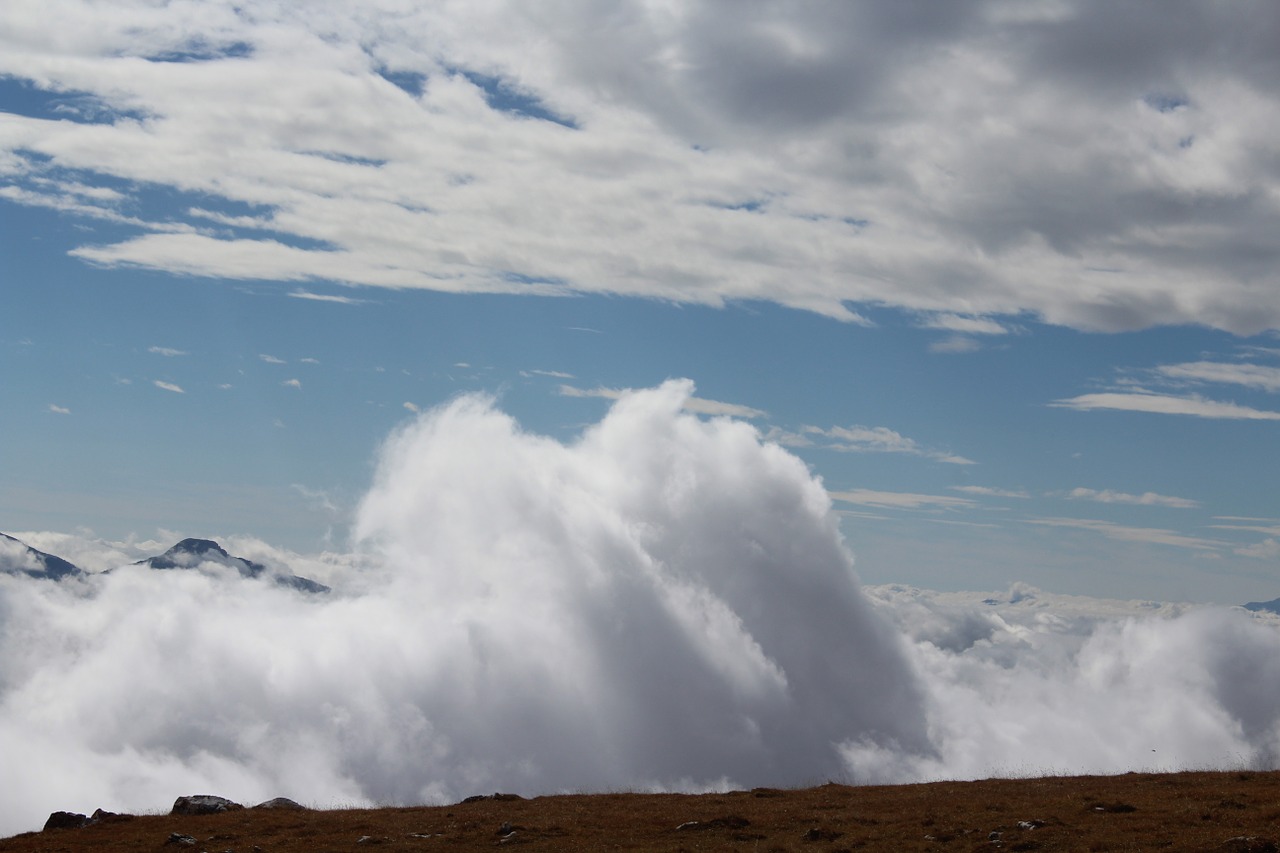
1227 811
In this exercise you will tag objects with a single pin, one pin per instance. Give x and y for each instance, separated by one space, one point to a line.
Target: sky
675 395
1002 275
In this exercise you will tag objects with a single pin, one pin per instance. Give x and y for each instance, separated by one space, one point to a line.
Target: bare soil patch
1233 812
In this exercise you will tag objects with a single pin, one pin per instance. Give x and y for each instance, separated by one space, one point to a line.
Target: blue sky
1002 275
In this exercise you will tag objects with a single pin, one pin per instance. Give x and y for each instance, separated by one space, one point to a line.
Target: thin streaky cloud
1267 549
553 374
1149 535
864 439
962 324
292 383
955 345
1269 530
59 410
167 352
1107 496
271 359
1165 404
991 492
1246 518
1248 375
697 405
167 386
900 500
326 297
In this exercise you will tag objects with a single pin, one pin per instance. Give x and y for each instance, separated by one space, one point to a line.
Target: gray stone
65 820
198 804
281 803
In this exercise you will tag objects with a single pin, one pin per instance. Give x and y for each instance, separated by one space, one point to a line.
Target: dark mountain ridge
193 553
1272 606
16 557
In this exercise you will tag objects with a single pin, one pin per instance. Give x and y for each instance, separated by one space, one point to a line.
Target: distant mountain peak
17 557
1272 606
199 546
192 553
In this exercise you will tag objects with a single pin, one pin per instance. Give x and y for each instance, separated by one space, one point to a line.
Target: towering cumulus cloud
665 602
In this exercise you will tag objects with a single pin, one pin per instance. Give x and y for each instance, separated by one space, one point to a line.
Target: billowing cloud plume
664 602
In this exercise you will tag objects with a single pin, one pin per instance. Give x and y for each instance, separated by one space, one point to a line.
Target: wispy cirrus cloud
59 410
1149 535
1258 376
963 324
167 352
167 386
987 491
1107 496
863 439
326 297
697 405
900 500
1164 404
271 359
955 345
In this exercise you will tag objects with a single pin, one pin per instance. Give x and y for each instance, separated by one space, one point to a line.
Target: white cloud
966 166
292 383
697 405
325 297
168 352
900 500
964 325
1107 496
956 344
1267 549
271 359
862 439
413 407
59 410
991 492
308 361
1165 404
167 386
1150 535
1248 375
553 374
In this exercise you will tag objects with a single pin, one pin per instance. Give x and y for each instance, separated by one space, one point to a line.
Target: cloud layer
665 602
1081 163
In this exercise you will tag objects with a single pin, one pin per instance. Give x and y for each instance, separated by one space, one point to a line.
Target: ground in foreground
1232 811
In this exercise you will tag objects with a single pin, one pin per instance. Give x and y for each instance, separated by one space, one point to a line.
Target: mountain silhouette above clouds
18 558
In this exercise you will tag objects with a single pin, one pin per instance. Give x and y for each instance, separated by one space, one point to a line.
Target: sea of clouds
664 603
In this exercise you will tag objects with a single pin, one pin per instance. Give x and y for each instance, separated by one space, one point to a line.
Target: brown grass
1236 811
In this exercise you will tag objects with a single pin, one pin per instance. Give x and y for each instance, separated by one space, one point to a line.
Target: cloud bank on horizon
665 602
1098 166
